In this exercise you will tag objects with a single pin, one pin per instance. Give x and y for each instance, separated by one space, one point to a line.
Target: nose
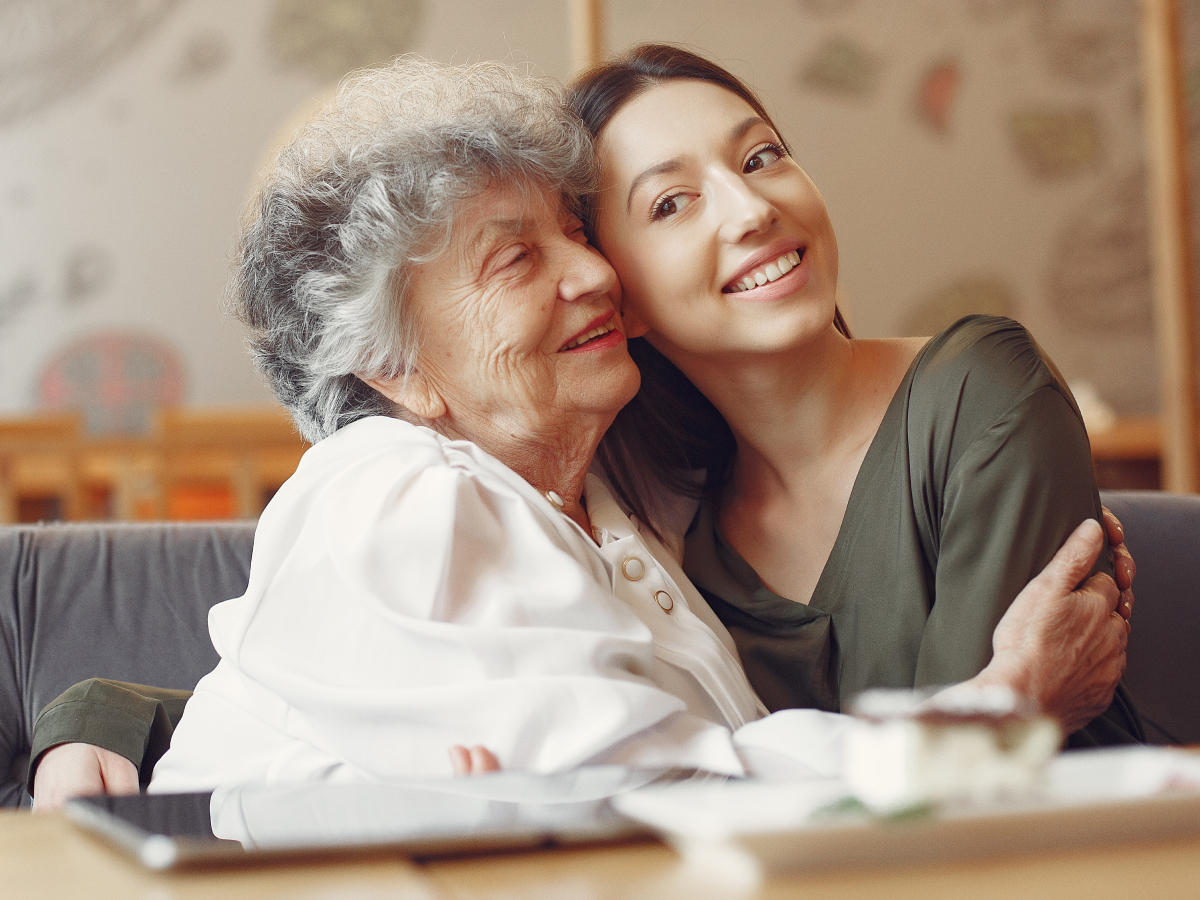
585 273
743 211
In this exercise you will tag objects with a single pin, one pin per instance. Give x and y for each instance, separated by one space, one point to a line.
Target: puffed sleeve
398 606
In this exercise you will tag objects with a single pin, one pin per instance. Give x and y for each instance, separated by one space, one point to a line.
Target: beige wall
123 170
931 221
119 192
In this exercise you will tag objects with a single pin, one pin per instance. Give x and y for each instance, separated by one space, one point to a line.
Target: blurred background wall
976 155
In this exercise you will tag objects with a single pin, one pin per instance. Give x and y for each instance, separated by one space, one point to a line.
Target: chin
797 327
627 389
611 390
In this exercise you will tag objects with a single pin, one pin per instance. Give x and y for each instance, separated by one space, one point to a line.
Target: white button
554 498
664 600
633 568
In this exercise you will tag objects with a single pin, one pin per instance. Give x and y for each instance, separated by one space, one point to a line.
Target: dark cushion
1163 677
128 602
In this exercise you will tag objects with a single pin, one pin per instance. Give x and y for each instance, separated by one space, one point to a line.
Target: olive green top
979 471
134 720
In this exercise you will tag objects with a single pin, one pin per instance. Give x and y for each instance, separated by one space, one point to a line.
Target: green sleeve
1011 499
133 720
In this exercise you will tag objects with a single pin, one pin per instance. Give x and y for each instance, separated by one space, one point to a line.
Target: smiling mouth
592 334
772 271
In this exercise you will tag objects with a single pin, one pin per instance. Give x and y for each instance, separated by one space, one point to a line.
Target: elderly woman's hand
1061 647
81 770
474 761
1124 568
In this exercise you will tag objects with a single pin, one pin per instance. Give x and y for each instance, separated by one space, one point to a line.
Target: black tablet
505 811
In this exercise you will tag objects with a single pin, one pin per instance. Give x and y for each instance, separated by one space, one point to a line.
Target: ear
634 326
415 393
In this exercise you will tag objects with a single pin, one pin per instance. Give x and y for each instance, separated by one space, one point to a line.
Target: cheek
519 334
648 277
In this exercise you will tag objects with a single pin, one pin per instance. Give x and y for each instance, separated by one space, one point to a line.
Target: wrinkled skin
1062 648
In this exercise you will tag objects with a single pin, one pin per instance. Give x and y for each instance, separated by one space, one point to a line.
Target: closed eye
577 233
517 257
513 256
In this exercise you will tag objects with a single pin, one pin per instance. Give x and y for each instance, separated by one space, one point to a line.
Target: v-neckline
730 554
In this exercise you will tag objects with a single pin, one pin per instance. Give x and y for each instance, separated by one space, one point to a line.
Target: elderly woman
441 571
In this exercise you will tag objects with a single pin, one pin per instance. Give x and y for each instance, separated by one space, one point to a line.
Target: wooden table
46 856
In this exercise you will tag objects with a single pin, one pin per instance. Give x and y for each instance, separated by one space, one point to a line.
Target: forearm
135 721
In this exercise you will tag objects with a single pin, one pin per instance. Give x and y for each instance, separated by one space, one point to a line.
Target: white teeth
770 272
594 333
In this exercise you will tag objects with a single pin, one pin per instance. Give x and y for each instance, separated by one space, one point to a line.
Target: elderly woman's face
519 319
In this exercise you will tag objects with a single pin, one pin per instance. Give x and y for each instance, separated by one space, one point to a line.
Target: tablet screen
502 811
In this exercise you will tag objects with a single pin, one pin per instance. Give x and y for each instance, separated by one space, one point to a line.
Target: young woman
871 507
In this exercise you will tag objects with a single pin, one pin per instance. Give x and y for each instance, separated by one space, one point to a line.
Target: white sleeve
796 744
415 607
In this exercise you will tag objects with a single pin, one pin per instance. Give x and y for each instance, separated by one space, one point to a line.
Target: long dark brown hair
669 429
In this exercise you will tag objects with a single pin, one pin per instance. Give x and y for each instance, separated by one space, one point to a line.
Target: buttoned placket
682 640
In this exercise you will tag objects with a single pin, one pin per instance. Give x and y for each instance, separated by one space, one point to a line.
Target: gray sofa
130 602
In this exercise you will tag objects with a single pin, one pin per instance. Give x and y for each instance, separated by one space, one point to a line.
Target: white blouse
408 592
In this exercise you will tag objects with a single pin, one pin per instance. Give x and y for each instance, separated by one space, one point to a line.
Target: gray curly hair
363 193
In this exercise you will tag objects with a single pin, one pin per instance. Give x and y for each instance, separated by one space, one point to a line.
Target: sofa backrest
1163 534
131 602
128 602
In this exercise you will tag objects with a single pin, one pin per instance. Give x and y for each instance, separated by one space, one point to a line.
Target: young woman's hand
475 761
1065 648
81 770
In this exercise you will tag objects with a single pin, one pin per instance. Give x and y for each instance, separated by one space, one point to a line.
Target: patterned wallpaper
976 155
131 132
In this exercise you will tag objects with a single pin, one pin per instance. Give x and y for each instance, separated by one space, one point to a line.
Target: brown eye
669 206
763 158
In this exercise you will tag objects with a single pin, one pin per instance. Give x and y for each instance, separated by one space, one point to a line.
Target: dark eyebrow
671 165
739 130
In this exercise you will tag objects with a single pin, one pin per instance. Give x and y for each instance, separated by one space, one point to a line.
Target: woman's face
722 243
519 319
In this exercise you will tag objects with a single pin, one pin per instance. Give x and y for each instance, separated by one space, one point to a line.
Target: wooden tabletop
47 856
